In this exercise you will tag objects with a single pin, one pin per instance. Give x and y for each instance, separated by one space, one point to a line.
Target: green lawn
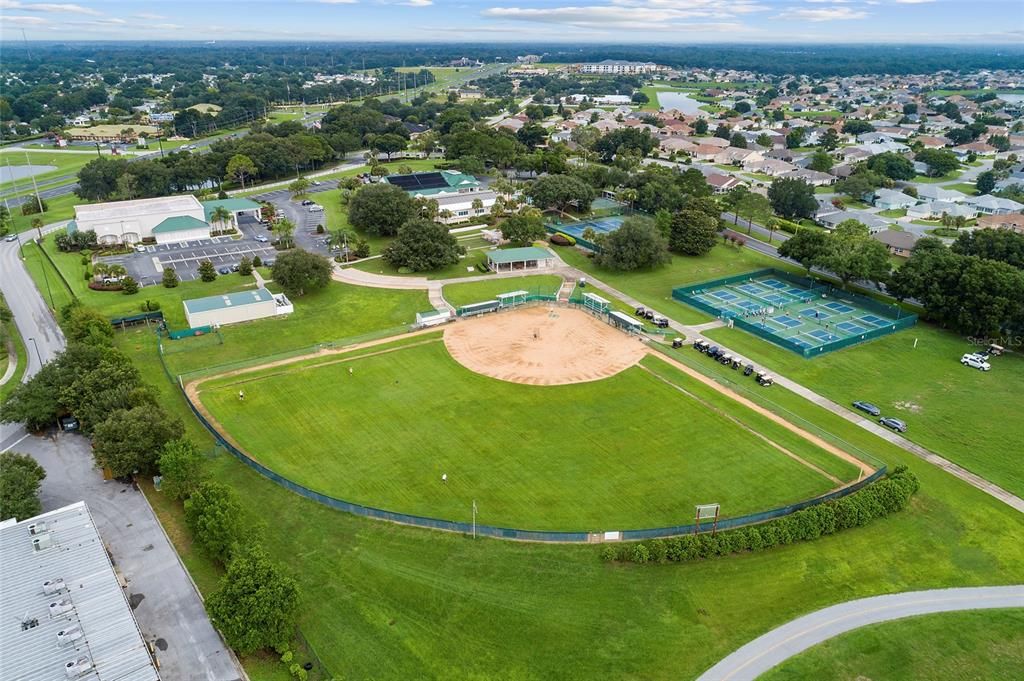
894 213
60 208
64 162
9 336
388 602
392 419
965 187
926 179
953 646
474 292
963 414
654 287
466 267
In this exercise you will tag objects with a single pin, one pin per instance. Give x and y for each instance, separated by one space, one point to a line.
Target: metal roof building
527 258
63 613
230 308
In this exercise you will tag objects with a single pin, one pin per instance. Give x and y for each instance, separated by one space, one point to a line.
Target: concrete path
12 364
166 604
780 644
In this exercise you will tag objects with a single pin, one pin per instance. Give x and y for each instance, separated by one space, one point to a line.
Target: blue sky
555 21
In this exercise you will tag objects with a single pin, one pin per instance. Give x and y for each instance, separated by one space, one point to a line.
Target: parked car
896 424
867 408
262 239
268 263
224 270
316 208
139 248
235 267
317 183
308 202
11 237
975 362
68 423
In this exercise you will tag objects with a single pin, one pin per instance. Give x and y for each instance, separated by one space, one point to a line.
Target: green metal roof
233 205
179 223
260 295
72 227
519 254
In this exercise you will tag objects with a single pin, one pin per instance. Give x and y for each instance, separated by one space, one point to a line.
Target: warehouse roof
260 295
179 223
118 210
63 604
233 205
519 254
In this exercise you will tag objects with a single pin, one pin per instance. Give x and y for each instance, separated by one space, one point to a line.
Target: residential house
832 220
705 152
929 142
769 166
1013 221
932 192
993 205
721 184
889 199
811 177
933 210
898 243
978 148
738 156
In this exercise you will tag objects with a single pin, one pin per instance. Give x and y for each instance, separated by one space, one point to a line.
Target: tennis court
804 315
600 225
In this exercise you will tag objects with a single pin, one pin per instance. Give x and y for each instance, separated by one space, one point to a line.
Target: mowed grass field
987 645
626 452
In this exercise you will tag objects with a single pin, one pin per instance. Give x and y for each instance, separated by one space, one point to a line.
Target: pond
1012 98
671 99
8 173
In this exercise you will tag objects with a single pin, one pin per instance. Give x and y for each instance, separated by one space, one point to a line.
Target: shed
242 306
512 259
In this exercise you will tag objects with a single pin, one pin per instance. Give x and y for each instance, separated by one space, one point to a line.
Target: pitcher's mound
542 346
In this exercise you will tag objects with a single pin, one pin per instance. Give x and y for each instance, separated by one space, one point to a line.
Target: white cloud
336 2
25 21
47 8
148 16
646 15
824 14
418 3
913 2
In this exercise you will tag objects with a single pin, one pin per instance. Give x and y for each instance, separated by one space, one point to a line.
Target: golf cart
764 379
701 346
660 322
748 369
640 311
677 343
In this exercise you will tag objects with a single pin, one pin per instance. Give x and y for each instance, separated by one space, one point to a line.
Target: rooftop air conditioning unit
53 586
37 528
76 669
60 607
67 637
42 542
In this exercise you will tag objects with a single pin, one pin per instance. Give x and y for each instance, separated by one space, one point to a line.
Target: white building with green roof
162 220
231 308
460 197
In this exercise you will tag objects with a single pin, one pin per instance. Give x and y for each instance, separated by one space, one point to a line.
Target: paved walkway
693 333
780 644
12 364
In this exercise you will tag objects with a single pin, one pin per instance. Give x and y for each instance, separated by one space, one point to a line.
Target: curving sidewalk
778 645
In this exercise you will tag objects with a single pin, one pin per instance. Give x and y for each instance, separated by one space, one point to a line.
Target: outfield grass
965 415
602 455
388 602
953 646
458 295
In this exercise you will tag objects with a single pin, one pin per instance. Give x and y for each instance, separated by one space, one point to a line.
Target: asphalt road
780 644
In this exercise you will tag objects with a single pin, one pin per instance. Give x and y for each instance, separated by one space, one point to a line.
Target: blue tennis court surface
803 315
600 225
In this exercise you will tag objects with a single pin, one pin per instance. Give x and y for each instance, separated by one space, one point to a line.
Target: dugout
624 322
478 308
595 303
512 298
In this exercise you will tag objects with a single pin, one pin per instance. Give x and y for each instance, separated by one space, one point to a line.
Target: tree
851 254
892 165
522 230
700 126
764 140
830 140
792 198
298 187
737 140
129 286
284 229
257 603
821 161
635 245
213 513
855 127
560 191
20 477
239 168
807 247
207 272
986 182
181 468
751 204
86 325
380 209
131 439
423 245
245 266
692 233
939 161
299 272
389 144
170 278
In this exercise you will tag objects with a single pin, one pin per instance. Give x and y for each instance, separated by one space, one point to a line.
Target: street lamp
38 355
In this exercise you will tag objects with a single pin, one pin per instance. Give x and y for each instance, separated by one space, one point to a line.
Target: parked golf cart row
722 357
649 315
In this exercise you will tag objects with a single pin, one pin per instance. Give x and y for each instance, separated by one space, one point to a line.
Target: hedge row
887 495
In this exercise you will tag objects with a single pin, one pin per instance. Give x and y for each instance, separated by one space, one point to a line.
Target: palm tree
340 238
477 205
222 216
283 230
445 214
628 195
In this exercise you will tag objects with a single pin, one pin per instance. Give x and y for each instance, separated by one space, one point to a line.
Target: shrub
149 306
319 229
877 500
787 226
560 240
87 274
129 286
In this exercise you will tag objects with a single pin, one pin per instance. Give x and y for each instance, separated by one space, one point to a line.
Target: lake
1011 98
672 99
8 173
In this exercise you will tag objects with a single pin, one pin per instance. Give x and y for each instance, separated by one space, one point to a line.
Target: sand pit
542 346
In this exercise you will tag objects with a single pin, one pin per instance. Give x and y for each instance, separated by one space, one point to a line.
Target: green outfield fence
580 536
901 319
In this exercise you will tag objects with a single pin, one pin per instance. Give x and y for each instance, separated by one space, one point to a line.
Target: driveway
167 606
780 644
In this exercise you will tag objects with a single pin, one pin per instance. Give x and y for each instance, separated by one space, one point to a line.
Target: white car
262 239
140 249
975 362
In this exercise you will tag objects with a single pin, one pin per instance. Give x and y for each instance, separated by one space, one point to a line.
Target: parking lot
147 266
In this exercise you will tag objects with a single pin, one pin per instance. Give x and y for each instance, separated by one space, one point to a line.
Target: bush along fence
877 500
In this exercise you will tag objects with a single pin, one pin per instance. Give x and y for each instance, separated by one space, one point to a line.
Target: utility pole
39 355
35 186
